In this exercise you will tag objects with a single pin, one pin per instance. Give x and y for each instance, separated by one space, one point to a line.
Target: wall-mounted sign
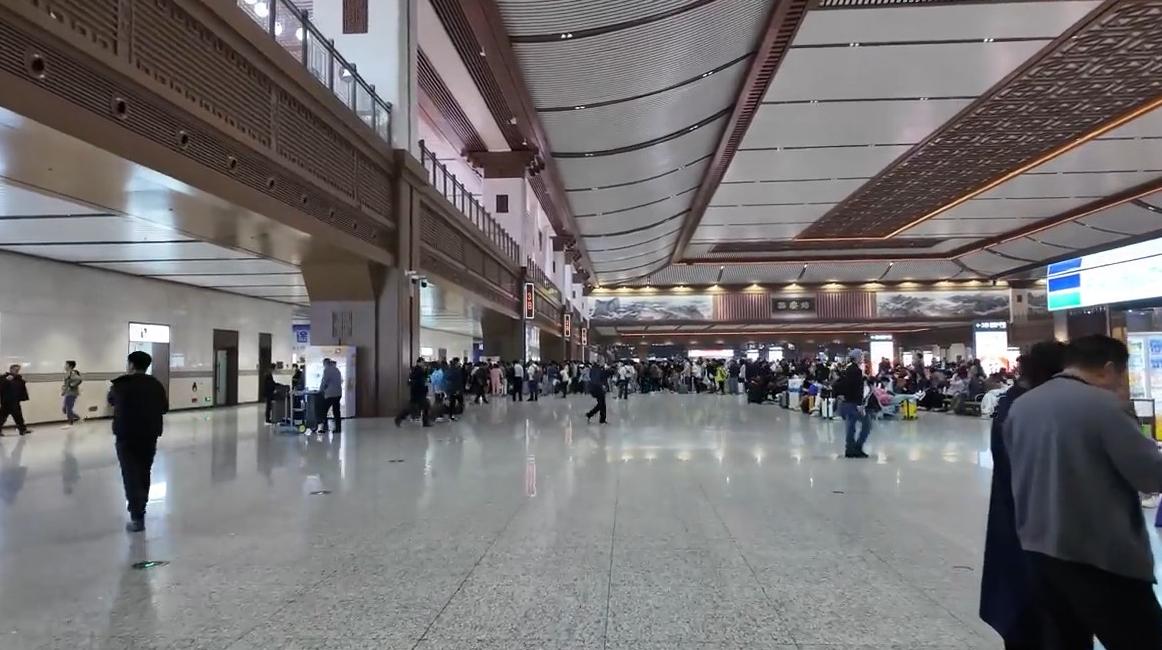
584 336
530 301
880 337
990 326
567 326
148 333
302 332
792 305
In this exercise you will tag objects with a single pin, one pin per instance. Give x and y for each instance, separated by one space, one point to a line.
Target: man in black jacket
597 381
418 389
13 391
850 387
139 402
454 381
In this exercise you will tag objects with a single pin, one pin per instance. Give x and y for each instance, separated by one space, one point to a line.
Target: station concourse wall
52 311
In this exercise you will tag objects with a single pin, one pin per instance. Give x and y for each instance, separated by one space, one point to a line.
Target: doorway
225 367
263 363
152 339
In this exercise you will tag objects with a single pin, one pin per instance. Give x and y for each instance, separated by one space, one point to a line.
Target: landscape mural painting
652 308
943 304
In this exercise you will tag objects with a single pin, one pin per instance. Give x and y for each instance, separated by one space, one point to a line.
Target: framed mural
651 308
923 305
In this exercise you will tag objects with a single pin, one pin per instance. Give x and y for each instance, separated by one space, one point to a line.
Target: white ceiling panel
1028 249
1125 218
964 227
599 171
642 59
639 242
224 281
628 256
943 70
214 267
538 17
669 210
593 201
942 22
19 201
843 271
983 208
844 123
1076 235
922 270
987 263
270 292
748 232
805 191
112 229
1069 185
769 164
616 125
130 252
685 274
757 273
1146 126
1109 155
764 215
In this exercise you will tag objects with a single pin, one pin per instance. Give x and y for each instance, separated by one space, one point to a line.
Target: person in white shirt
699 373
624 374
518 388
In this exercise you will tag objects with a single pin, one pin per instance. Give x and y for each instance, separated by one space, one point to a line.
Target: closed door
221 377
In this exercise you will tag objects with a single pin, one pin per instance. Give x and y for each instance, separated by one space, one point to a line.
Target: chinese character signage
530 301
792 305
567 326
584 336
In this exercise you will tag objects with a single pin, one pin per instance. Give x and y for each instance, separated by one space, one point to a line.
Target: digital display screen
1123 274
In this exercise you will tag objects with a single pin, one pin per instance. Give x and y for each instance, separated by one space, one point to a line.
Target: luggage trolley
281 411
305 410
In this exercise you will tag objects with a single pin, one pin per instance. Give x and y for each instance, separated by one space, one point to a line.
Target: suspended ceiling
889 140
53 227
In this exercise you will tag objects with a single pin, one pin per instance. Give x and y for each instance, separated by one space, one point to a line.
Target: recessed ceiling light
577 108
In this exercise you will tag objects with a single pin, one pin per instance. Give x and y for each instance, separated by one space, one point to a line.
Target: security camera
423 284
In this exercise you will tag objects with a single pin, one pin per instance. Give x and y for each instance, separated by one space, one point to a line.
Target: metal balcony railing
291 29
538 277
446 184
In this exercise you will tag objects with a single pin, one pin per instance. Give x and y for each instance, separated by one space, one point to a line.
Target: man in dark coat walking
139 401
13 391
1007 601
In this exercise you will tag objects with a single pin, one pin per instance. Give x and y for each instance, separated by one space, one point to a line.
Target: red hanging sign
530 301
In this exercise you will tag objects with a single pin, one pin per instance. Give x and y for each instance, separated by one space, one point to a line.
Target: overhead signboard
1122 274
530 301
567 326
584 336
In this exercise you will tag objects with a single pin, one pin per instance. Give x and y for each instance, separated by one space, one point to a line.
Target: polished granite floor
687 522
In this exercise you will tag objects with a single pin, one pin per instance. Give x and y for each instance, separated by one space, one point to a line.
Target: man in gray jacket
331 392
1078 463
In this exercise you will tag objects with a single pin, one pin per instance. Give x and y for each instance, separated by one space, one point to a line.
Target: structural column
503 336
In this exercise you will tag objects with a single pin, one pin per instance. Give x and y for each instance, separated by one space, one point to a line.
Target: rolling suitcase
827 407
309 419
908 409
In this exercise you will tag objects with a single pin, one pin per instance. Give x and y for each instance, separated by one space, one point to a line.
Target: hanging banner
530 301
584 336
567 326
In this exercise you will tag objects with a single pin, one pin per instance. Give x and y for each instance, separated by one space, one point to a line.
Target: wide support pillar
368 306
504 337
